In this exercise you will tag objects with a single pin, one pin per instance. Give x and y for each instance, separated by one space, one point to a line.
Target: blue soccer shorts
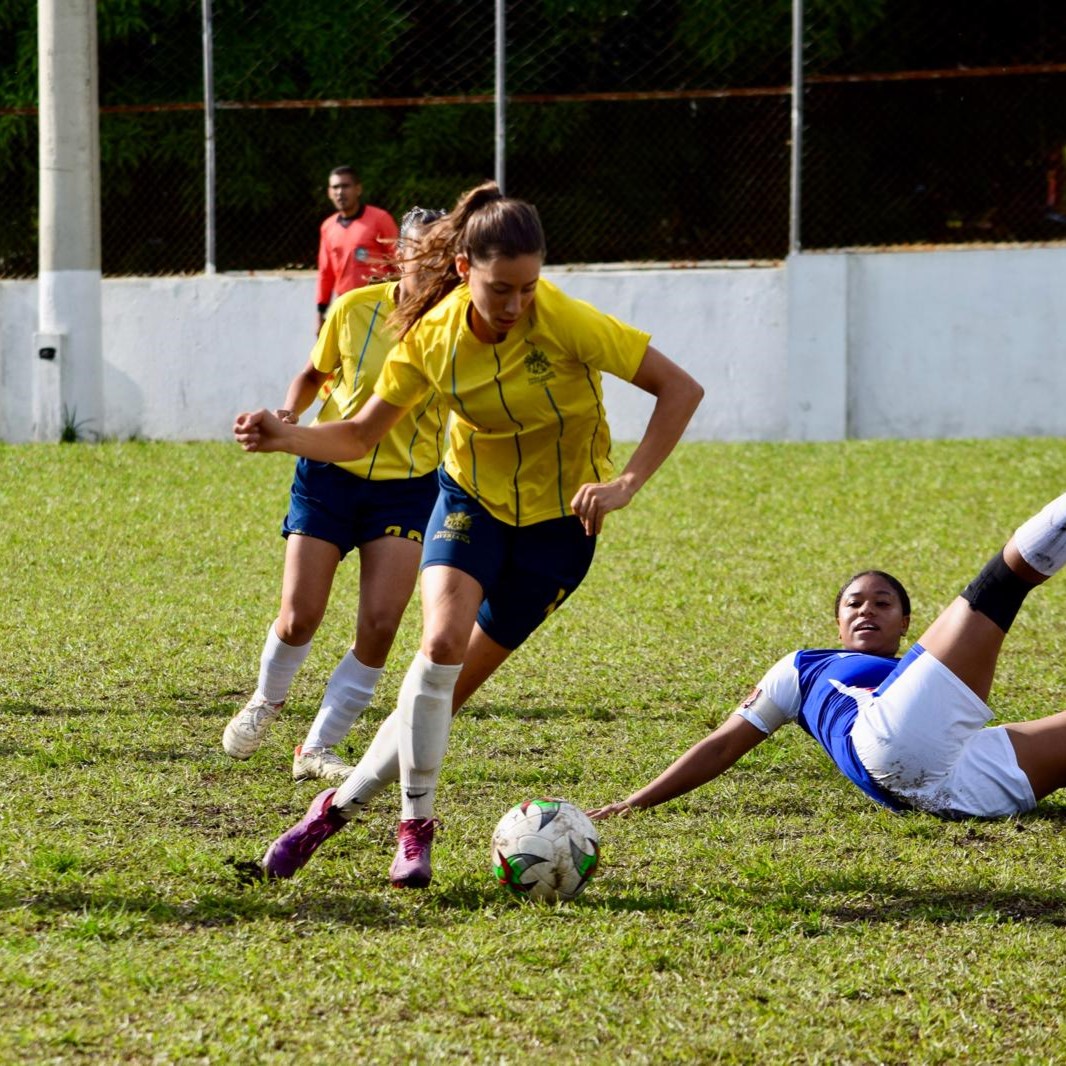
525 572
335 505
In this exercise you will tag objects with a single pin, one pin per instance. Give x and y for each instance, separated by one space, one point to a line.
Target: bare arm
703 762
677 395
301 392
331 442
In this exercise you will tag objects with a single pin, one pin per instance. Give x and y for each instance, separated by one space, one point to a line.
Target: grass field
776 916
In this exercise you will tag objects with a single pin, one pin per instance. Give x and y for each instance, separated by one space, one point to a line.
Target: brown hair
483 225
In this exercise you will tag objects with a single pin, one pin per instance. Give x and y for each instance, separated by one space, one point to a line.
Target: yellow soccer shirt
352 346
528 426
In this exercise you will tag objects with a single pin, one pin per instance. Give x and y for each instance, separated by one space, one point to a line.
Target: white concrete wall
957 344
954 343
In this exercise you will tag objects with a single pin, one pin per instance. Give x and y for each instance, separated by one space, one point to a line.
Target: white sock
1041 540
278 665
425 706
350 689
379 767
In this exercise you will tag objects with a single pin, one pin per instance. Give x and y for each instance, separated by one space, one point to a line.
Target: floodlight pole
68 359
796 182
209 139
501 99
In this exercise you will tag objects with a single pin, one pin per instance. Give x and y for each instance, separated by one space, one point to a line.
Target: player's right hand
258 431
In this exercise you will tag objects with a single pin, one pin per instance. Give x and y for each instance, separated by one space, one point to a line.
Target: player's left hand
601 814
595 500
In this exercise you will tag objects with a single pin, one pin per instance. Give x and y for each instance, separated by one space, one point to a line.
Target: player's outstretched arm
677 395
703 762
332 442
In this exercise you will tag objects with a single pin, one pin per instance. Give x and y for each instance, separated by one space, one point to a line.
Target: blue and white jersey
822 690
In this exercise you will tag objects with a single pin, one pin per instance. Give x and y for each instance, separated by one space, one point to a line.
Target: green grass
774 917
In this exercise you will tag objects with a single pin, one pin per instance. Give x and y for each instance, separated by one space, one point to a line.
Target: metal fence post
796 182
209 139
501 101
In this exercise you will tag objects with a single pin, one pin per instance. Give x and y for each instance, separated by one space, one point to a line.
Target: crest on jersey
538 367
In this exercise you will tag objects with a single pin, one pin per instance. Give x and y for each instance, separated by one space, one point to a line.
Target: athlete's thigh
450 601
968 643
546 564
310 565
1040 748
388 570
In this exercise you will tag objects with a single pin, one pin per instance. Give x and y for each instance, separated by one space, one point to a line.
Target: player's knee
377 631
296 627
443 647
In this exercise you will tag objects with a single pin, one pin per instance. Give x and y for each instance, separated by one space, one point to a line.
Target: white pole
68 385
501 99
209 140
796 184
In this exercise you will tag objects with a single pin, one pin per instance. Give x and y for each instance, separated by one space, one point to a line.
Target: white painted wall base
953 343
66 354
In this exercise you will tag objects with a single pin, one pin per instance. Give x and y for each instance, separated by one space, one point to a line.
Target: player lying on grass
524 490
911 733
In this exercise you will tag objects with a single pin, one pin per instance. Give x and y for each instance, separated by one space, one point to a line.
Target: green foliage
18 56
695 178
774 917
74 429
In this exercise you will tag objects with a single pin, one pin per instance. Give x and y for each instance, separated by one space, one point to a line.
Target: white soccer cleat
248 727
321 764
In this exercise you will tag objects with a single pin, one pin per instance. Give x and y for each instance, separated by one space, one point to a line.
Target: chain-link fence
658 130
938 123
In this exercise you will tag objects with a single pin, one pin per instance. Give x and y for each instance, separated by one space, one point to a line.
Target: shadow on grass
213 910
188 706
39 710
886 902
252 899
526 713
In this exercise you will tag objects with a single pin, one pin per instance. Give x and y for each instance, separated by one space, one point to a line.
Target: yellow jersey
351 347
528 427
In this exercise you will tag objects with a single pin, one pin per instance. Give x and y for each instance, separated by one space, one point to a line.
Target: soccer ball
545 849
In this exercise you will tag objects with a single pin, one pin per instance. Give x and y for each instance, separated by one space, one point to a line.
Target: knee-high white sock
350 689
1041 540
379 767
425 706
278 665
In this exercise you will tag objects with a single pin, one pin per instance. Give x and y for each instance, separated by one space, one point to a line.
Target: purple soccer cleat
411 868
295 846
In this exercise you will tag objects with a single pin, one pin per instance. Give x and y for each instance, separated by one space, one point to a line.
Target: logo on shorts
361 254
457 525
458 521
538 367
752 697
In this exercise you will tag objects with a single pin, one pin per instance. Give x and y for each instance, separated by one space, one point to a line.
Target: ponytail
483 225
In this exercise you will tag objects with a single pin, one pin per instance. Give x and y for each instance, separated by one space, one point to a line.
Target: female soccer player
525 487
379 504
910 733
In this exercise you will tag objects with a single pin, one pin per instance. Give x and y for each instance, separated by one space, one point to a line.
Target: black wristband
323 308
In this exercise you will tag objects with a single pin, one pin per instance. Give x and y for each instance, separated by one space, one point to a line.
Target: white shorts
925 740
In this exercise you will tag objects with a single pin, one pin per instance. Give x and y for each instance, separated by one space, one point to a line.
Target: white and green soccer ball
545 849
